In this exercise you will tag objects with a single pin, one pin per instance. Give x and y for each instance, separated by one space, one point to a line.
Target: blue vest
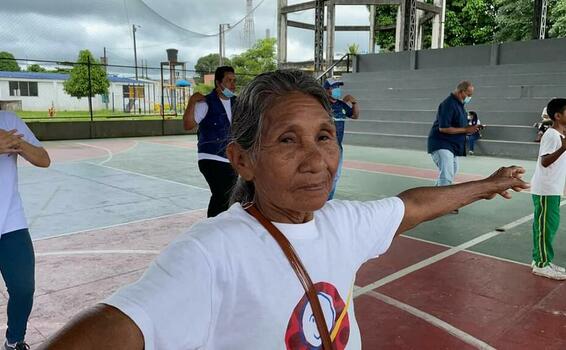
214 129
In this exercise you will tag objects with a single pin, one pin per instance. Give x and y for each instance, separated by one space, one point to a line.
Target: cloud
58 29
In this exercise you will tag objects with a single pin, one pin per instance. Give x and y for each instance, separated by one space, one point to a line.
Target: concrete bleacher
398 103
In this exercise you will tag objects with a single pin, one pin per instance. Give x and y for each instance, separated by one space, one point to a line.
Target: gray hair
463 85
249 111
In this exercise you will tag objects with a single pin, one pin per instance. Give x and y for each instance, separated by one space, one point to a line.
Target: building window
23 88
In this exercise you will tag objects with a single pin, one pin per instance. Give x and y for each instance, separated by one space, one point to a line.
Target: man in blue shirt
346 107
447 137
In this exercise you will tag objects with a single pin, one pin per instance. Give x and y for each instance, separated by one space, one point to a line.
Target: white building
30 91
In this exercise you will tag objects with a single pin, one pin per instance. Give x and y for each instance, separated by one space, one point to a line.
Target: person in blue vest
447 137
213 115
342 108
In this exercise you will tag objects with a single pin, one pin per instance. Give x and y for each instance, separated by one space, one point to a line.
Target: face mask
467 99
227 92
336 93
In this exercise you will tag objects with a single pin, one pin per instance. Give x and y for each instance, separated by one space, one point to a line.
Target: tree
209 63
203 88
469 22
8 62
78 86
558 18
259 59
514 20
35 68
385 16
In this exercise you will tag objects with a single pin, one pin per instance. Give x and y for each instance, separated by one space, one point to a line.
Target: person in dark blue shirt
447 137
342 109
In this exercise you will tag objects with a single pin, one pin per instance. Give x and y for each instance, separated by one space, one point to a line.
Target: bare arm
355 107
37 156
189 122
100 327
547 159
467 130
427 203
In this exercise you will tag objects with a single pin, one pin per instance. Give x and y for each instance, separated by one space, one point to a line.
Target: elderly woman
227 284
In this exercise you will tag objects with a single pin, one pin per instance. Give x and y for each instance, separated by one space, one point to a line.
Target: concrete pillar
281 33
330 34
399 29
371 47
419 39
438 26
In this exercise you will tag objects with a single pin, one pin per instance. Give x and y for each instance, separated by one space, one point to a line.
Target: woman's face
299 155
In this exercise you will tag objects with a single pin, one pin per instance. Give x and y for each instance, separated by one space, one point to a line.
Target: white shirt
226 284
549 181
201 109
12 215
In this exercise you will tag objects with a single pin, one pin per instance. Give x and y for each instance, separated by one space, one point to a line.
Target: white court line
97 252
440 256
467 251
413 177
118 225
151 177
110 154
458 333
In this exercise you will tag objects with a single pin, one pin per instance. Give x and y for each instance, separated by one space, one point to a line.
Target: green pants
545 225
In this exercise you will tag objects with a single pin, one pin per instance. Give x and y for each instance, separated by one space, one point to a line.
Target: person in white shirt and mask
17 261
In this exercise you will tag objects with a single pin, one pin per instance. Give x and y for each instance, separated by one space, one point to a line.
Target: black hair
473 114
220 72
556 105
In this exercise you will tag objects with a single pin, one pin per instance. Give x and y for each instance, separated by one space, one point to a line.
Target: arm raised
100 327
427 203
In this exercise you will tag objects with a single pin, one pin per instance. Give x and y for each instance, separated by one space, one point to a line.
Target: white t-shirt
549 181
12 215
201 109
226 284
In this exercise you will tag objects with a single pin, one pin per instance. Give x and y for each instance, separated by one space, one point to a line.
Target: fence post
90 100
162 103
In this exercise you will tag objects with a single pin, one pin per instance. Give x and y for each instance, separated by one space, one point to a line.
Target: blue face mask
467 99
336 93
227 92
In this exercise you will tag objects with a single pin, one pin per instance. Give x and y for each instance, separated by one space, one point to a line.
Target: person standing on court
547 187
342 108
17 259
447 137
213 115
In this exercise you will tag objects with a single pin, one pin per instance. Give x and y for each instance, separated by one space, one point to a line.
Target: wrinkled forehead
295 108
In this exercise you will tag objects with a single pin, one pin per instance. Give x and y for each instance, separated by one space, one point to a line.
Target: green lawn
85 116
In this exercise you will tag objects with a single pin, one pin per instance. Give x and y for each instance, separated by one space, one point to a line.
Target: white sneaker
549 272
555 267
558 268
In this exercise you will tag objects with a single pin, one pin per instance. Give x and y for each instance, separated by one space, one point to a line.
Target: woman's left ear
240 160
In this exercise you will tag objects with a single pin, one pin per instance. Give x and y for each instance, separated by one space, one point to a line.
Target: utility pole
135 51
222 42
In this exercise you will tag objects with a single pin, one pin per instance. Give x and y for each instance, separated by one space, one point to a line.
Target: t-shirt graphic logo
302 333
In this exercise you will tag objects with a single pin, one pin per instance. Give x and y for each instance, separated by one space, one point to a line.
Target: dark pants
17 265
221 179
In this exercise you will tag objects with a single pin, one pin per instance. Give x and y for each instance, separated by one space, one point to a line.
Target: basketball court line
150 176
440 256
108 151
120 224
467 251
438 323
98 252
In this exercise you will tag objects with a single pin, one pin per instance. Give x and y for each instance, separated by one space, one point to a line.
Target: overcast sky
58 29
